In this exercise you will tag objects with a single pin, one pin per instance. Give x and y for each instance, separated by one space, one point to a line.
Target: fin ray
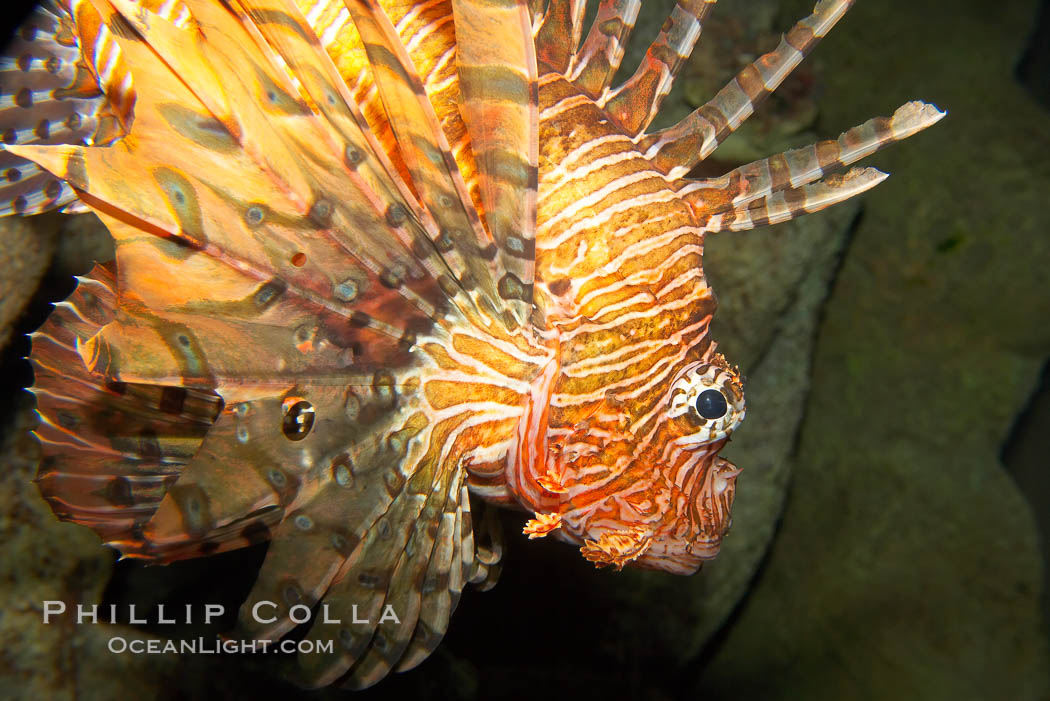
635 103
499 88
594 65
677 149
558 35
793 202
798 167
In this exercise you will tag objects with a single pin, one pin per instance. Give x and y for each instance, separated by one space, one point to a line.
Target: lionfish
374 258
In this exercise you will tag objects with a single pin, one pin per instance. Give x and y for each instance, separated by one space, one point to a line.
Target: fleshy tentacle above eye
345 231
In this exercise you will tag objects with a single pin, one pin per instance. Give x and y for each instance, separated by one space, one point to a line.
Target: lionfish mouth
697 534
698 517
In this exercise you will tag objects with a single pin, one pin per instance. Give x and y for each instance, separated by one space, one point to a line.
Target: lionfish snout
697 518
711 508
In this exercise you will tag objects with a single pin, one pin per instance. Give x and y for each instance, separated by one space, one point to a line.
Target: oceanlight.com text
215 646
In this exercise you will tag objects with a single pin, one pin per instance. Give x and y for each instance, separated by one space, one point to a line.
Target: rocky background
880 550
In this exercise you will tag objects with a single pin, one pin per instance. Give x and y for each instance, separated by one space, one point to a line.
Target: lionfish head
641 482
623 458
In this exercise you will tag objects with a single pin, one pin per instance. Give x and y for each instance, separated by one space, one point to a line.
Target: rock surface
26 246
33 247
907 563
42 560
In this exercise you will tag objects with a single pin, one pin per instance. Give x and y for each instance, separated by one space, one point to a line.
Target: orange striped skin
374 256
620 259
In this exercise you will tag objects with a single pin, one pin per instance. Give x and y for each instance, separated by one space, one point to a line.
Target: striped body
375 256
620 257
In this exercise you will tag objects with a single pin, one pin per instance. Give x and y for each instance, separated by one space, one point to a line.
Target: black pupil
711 404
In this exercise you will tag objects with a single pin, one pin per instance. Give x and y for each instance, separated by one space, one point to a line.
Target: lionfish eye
711 404
298 419
708 397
